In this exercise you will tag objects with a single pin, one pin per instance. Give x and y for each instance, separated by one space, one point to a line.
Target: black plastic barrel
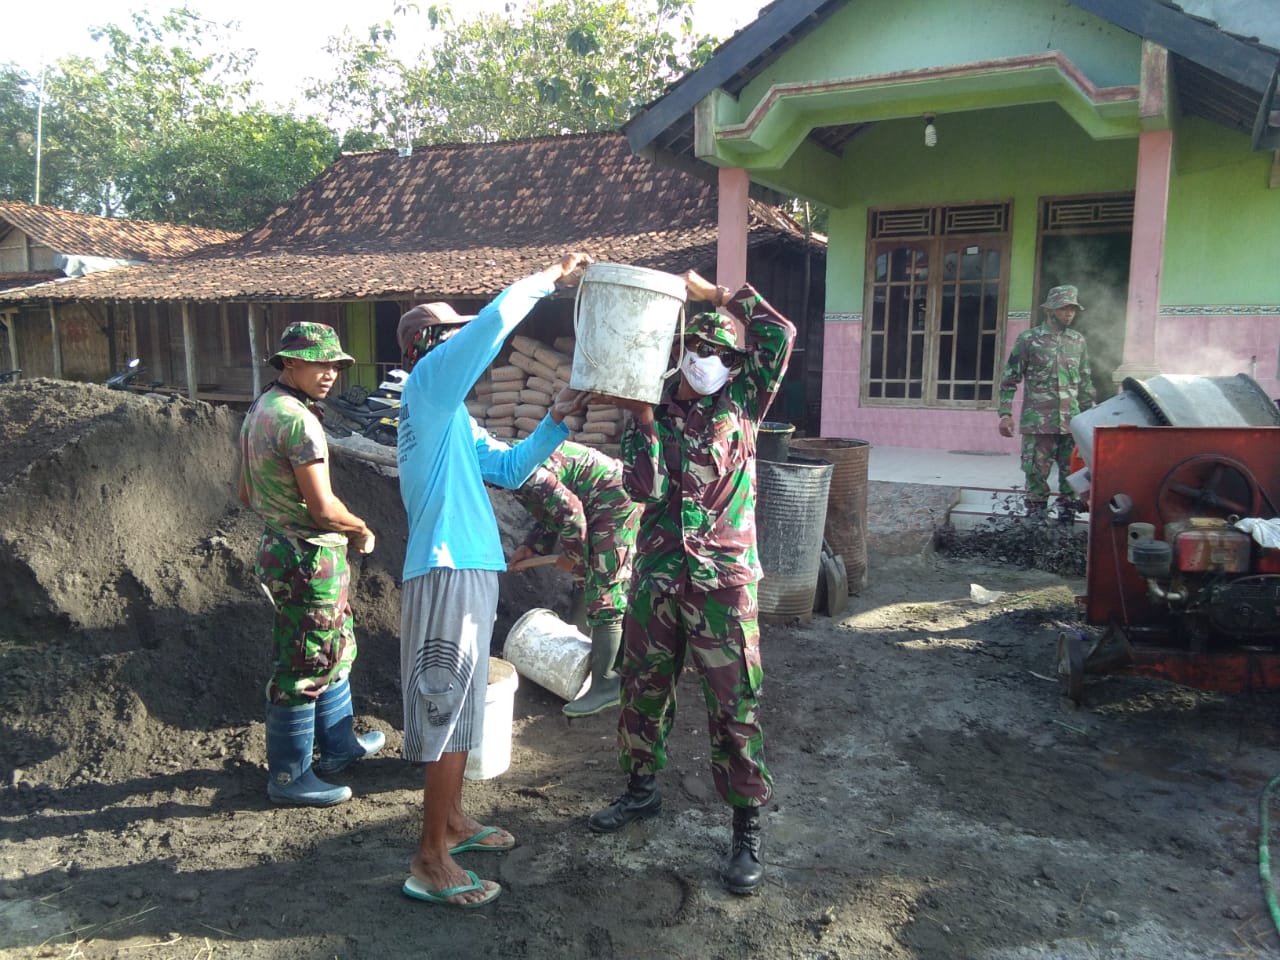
791 509
773 440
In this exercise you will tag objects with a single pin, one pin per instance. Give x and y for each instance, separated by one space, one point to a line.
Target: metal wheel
1207 486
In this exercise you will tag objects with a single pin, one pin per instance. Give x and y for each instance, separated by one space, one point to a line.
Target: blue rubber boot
334 736
290 738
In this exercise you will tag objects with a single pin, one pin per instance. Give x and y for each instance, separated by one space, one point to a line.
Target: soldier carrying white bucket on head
688 461
449 596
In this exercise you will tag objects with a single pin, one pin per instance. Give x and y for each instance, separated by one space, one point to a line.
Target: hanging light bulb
930 131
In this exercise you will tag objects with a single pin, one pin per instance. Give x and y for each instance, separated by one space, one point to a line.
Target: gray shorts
446 624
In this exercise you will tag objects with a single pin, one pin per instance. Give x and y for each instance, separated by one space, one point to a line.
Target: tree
227 170
162 127
558 66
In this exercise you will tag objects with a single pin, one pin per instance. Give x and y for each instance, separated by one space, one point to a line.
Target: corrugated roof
84 235
459 220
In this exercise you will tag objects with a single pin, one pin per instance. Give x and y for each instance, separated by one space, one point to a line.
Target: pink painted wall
1221 346
1202 345
894 426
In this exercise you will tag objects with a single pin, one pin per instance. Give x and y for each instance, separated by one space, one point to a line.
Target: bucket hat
718 328
1063 296
315 342
426 315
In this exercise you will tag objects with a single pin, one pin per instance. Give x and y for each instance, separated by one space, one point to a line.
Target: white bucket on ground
548 651
624 321
493 756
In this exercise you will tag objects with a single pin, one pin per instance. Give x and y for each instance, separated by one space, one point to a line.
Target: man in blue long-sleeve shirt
449 598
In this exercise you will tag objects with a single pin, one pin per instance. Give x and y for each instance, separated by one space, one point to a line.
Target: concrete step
974 506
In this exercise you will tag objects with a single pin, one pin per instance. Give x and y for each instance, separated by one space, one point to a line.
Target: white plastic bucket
624 321
548 651
493 756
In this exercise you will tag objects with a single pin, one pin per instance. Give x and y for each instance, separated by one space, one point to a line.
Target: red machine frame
1156 475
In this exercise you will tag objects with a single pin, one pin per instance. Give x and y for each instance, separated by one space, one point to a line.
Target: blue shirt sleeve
510 466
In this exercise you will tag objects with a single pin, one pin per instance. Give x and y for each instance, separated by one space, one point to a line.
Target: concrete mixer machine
1183 565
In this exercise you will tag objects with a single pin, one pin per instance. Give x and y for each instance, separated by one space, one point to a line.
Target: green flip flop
415 888
474 842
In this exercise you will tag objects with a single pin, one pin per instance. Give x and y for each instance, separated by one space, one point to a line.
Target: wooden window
936 287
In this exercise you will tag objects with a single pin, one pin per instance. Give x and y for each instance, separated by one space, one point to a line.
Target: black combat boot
642 799
742 870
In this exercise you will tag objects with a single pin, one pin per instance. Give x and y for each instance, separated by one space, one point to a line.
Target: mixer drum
1247 607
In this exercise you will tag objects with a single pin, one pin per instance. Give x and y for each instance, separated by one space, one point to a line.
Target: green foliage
164 125
557 66
228 170
161 128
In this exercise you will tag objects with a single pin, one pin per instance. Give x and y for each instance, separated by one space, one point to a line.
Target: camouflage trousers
608 577
1040 451
313 635
719 630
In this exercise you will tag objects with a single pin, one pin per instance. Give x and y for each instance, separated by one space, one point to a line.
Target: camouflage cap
718 328
1063 296
313 342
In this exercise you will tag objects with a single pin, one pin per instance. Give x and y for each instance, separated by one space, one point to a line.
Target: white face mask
705 374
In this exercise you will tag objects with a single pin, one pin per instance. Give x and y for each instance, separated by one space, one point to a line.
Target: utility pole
39 129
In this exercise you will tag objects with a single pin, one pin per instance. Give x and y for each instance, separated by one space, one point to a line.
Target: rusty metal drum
846 525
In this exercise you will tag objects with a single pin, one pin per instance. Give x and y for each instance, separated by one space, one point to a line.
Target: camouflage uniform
1053 364
577 497
303 568
694 589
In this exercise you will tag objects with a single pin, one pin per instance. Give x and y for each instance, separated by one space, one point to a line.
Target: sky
288 35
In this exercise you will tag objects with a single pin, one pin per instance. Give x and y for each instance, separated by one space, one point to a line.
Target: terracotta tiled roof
83 235
450 221
8 280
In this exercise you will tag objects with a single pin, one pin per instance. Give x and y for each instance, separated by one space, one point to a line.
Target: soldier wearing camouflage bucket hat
312 342
1052 363
302 565
689 462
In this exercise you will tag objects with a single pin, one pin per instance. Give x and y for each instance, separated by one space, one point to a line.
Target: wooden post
255 358
11 322
189 349
57 344
133 329
158 364
224 325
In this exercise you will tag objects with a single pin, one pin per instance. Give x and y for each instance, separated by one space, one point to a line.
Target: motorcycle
375 414
129 378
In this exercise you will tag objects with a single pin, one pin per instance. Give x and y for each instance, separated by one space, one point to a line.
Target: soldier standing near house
1052 362
577 497
302 562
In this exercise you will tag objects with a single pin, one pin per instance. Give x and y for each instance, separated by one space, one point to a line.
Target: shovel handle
534 562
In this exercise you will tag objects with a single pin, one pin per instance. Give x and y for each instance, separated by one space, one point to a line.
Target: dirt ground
935 796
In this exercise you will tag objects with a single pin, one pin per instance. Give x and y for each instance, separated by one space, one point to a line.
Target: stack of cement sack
516 392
